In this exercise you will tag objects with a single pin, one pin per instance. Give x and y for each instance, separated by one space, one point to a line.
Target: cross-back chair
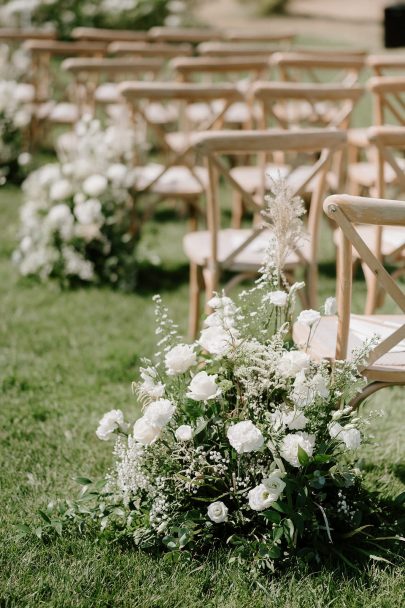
16 35
97 34
254 35
302 67
336 337
240 251
387 65
291 106
177 175
159 50
193 35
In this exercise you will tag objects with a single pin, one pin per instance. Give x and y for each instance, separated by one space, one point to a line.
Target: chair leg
211 286
372 290
196 286
237 210
312 285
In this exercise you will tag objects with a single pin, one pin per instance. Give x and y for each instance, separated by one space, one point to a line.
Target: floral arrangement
15 114
243 440
78 221
64 15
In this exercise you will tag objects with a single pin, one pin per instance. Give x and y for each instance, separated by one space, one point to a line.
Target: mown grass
67 357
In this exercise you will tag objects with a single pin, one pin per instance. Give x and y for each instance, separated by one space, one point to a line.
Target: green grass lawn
66 358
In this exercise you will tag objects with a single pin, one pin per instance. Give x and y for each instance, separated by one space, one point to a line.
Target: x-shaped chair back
139 94
387 65
192 35
227 70
301 67
349 212
245 35
389 100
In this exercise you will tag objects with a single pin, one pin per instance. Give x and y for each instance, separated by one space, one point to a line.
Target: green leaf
322 458
303 457
278 507
272 516
83 481
23 529
57 526
400 499
44 516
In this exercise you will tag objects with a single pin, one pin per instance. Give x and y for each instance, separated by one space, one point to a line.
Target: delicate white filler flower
150 385
278 298
218 512
109 423
290 443
245 437
179 359
203 387
184 433
330 306
309 317
293 362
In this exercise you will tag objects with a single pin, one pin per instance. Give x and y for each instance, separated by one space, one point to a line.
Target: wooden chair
106 36
292 106
158 50
241 251
257 49
177 176
336 337
387 65
192 35
254 35
16 35
242 71
316 68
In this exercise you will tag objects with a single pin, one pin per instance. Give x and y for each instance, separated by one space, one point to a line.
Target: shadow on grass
152 279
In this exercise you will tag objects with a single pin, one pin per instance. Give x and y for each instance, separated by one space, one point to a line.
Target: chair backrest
88 73
349 212
160 50
387 141
389 99
106 36
190 69
386 65
193 35
214 146
318 68
254 35
255 48
17 35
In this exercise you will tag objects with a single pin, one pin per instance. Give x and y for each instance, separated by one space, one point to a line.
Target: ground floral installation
15 114
244 442
78 223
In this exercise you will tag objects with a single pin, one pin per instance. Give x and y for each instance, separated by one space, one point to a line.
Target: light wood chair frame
160 50
96 34
300 67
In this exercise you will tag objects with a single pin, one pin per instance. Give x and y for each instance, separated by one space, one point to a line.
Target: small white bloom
264 495
217 340
95 185
218 512
150 385
117 172
245 437
145 432
203 387
184 433
109 423
330 306
292 362
294 420
89 212
309 317
160 412
351 437
24 159
179 359
290 443
278 298
60 190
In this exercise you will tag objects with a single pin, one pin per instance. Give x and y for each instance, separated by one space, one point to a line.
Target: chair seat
390 367
392 244
197 247
365 174
176 181
250 178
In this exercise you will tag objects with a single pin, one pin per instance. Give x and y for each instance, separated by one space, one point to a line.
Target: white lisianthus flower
60 190
330 306
203 387
216 340
292 362
290 443
309 317
179 359
184 433
351 437
150 386
109 423
264 495
245 437
218 512
278 298
144 432
95 185
160 412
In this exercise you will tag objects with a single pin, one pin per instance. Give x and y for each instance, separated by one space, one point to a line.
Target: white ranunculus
60 190
89 212
160 412
218 512
179 359
109 423
95 185
264 495
184 433
330 306
278 298
245 437
292 362
203 387
151 386
216 340
290 443
145 432
117 172
309 317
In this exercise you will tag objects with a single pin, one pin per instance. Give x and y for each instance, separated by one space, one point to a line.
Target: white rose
218 512
309 317
245 437
330 306
109 423
117 172
203 387
89 212
160 412
290 443
145 432
94 185
278 298
184 433
264 495
216 340
179 359
60 190
293 362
